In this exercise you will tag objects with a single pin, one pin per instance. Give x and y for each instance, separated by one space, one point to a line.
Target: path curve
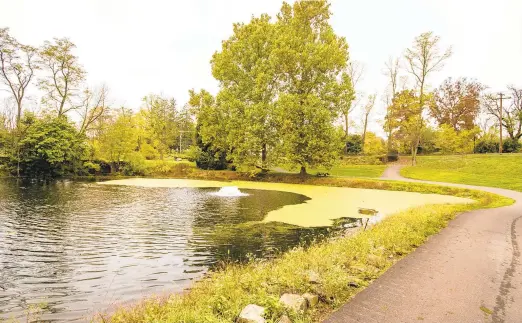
470 272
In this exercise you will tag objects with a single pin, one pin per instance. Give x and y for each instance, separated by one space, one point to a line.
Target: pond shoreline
326 203
345 265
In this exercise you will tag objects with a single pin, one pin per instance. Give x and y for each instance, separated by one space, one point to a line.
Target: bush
392 156
353 144
91 168
364 160
135 165
212 160
192 154
51 147
491 146
486 146
511 146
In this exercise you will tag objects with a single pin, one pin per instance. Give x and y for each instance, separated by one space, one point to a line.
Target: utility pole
501 97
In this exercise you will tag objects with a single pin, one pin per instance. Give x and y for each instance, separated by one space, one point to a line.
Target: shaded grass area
171 167
345 266
495 170
343 170
353 170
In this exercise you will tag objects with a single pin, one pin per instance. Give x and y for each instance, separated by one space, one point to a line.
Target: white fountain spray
229 191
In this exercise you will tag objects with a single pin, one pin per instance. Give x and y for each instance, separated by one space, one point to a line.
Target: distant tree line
460 116
76 131
288 91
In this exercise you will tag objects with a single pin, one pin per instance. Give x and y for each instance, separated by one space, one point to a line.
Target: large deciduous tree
211 119
456 103
309 57
162 120
422 59
403 119
450 141
392 73
248 85
368 107
51 147
18 64
118 140
347 91
211 130
63 76
93 108
511 112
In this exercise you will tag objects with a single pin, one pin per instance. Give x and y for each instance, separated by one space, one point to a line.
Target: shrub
449 141
212 160
192 154
353 144
135 165
91 168
51 147
486 146
364 160
392 156
511 146
491 146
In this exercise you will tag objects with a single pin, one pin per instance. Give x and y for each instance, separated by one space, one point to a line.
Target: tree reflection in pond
81 247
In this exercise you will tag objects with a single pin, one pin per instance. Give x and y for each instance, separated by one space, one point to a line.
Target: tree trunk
18 114
363 139
263 158
18 162
345 150
113 167
414 151
302 172
346 125
389 143
389 133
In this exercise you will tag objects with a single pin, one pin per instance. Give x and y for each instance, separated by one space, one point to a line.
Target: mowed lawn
352 170
493 170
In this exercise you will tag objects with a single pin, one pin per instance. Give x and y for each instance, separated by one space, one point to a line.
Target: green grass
346 265
170 168
346 170
504 171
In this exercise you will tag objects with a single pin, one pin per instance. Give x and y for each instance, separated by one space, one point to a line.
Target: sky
139 47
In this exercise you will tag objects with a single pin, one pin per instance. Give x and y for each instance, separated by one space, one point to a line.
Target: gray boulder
252 314
294 302
311 299
313 277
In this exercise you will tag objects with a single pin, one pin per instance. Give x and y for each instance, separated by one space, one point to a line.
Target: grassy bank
343 169
353 170
504 171
345 266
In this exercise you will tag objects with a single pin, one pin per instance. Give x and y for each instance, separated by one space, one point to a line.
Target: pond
75 249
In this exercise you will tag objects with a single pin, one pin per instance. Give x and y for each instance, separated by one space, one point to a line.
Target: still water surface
78 248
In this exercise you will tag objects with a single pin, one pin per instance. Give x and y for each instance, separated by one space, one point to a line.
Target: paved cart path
470 272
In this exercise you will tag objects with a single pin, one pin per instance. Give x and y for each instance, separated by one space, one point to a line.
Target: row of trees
286 84
287 92
458 111
76 130
447 118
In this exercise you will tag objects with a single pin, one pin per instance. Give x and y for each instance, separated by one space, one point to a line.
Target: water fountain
229 191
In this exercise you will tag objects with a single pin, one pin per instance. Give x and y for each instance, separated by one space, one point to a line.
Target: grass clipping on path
345 265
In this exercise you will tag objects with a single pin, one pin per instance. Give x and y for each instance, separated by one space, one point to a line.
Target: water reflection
80 247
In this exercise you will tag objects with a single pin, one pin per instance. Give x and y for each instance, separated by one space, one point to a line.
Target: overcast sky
137 47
